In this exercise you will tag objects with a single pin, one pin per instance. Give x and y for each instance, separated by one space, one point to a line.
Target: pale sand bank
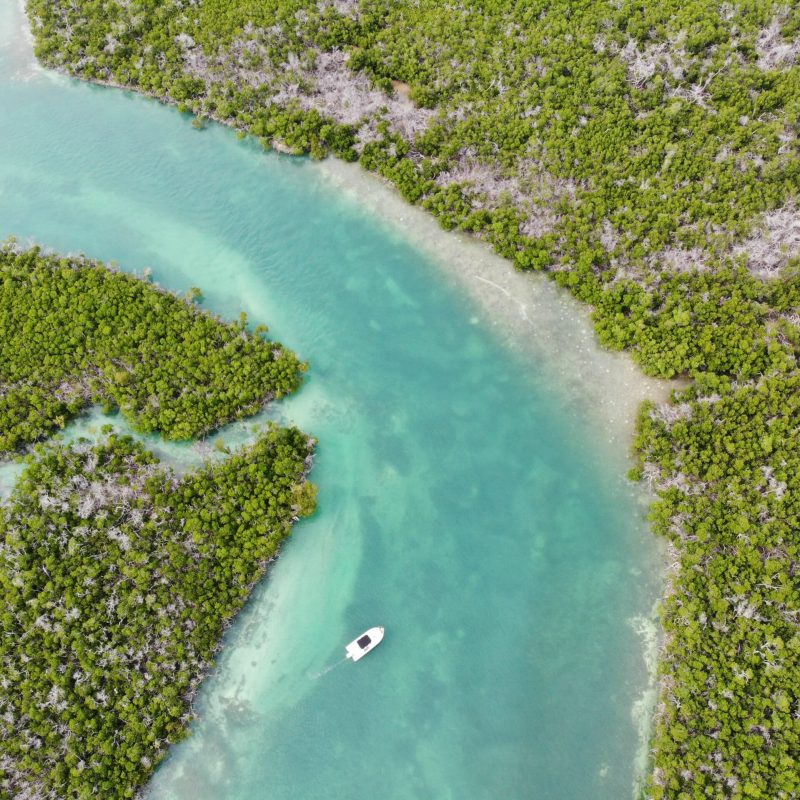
533 316
16 43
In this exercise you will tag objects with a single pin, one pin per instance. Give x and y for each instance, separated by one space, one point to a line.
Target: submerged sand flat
532 315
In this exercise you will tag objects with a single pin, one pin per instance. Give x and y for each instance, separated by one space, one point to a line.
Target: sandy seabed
532 315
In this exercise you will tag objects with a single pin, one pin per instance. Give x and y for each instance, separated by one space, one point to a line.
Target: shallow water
472 498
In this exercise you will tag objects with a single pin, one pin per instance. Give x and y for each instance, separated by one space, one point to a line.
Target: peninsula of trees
646 156
118 578
76 333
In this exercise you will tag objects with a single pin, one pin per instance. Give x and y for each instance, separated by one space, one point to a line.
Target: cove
468 499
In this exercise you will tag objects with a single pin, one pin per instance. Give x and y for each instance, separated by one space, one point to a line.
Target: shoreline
530 313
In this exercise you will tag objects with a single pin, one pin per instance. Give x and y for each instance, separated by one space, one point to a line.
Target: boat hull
364 644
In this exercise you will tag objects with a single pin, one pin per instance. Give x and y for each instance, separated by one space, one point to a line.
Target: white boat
368 640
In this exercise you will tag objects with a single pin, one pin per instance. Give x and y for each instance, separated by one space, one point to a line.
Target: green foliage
76 333
683 153
690 323
729 489
117 582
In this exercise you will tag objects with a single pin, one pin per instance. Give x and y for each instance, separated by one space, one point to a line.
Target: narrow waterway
472 490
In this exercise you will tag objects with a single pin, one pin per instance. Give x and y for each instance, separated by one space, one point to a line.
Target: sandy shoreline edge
531 314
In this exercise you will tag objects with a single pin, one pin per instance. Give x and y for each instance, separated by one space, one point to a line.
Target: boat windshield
364 641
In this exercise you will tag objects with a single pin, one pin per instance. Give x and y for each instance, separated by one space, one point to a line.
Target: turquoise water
465 502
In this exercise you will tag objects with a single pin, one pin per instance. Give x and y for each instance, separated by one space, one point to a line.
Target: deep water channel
469 502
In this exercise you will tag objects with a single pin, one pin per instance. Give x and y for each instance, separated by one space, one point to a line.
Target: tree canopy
76 332
117 581
117 578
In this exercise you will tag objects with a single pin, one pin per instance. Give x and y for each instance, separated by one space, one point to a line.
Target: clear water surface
464 503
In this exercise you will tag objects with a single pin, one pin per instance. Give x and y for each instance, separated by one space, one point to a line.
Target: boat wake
317 675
